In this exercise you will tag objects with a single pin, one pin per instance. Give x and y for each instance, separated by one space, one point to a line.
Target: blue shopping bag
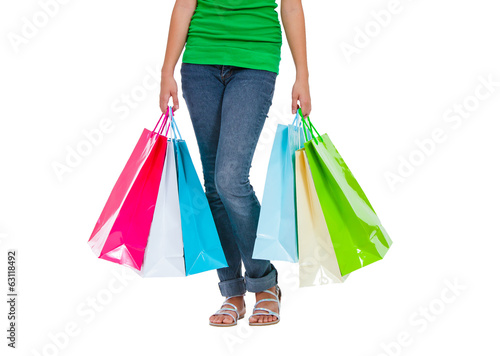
277 227
202 247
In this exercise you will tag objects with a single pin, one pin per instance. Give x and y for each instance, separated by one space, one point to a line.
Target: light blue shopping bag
202 248
277 227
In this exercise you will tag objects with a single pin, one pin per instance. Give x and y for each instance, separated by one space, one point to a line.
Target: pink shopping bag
121 232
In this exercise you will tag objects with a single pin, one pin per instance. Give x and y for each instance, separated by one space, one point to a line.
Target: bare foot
267 304
239 302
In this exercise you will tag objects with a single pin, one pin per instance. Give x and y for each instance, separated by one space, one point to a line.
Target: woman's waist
259 38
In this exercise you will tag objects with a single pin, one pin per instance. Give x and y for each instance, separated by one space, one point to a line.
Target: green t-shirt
243 33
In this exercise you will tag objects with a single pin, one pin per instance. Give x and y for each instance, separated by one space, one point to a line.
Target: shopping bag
277 229
317 260
202 247
357 234
121 232
164 254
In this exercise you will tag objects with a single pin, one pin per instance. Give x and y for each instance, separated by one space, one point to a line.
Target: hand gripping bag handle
298 124
171 116
309 125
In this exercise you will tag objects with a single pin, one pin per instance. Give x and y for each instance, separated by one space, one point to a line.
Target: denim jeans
228 106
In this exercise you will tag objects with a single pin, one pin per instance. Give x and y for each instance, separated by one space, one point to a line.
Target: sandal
221 312
277 298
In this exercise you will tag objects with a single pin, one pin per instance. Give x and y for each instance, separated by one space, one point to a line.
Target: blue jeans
228 106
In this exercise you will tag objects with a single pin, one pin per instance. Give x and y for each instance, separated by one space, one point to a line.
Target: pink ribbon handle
163 119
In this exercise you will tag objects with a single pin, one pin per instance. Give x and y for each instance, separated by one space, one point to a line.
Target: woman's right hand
168 89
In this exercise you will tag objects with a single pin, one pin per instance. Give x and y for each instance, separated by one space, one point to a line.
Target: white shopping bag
164 254
317 260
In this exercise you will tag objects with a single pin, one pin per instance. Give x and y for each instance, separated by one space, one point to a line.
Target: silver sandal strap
272 314
265 309
231 304
229 309
269 312
267 300
271 292
235 309
223 313
240 295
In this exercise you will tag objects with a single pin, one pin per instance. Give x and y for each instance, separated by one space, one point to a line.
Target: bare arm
179 24
292 16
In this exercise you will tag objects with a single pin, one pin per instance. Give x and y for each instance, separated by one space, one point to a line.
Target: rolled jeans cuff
255 285
232 287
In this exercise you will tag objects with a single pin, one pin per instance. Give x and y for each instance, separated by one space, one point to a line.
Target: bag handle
296 120
298 124
309 125
164 123
163 119
171 127
175 127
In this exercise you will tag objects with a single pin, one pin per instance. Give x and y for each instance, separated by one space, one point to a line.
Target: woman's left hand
300 92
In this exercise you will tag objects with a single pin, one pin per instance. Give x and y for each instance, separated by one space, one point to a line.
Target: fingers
305 107
302 96
175 99
165 99
295 106
164 103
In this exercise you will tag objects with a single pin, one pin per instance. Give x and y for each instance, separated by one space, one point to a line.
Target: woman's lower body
228 106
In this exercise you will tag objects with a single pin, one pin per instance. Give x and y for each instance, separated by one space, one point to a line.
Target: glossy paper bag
202 247
121 232
164 256
276 229
358 237
317 260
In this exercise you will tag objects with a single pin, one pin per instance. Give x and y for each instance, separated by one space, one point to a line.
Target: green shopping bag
357 235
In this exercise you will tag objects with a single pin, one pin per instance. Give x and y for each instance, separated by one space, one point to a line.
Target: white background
425 61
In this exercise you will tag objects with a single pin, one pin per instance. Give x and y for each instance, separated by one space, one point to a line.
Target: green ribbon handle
309 125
